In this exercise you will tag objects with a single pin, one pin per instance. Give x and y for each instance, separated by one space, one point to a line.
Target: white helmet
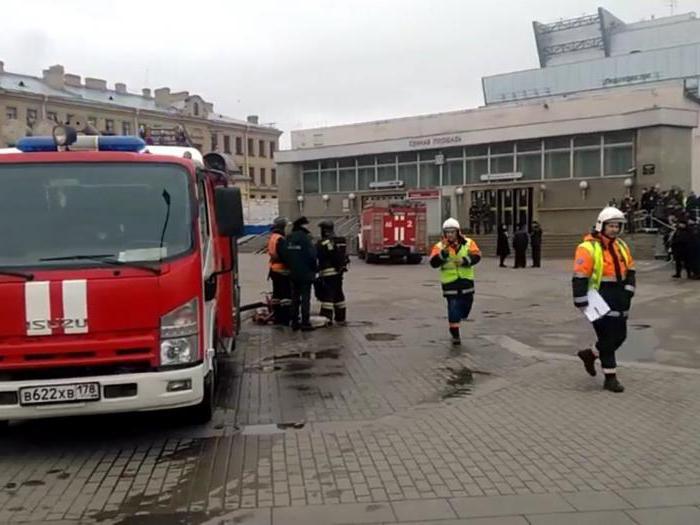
450 224
609 214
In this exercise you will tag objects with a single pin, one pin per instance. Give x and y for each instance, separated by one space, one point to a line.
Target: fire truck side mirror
229 212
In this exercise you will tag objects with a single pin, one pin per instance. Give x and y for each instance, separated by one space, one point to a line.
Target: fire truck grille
75 371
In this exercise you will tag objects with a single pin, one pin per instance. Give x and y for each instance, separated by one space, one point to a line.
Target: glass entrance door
515 207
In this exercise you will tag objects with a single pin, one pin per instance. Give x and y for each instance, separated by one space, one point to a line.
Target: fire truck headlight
179 337
179 351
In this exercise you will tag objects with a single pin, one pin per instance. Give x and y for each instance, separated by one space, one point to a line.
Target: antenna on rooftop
672 5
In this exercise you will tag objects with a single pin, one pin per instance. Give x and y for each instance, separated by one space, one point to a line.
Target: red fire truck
395 231
117 277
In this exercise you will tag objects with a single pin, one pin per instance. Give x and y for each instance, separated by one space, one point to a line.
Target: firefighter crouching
279 272
456 255
332 263
603 262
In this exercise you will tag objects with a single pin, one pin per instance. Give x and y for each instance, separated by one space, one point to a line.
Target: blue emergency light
108 143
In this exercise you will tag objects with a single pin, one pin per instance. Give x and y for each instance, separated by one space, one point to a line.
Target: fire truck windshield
125 212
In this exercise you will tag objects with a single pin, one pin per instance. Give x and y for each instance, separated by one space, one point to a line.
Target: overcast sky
297 63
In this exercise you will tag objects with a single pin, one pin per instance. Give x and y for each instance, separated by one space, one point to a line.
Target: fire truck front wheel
202 413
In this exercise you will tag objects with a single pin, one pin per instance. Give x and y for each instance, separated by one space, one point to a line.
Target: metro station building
613 108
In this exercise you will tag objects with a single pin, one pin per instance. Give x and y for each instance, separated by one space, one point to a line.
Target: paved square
383 421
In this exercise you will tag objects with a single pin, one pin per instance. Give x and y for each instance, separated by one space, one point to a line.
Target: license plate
50 394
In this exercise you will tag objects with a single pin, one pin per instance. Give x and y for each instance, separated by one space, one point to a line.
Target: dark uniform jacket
300 256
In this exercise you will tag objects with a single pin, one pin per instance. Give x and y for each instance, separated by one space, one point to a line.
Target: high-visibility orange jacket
605 265
275 245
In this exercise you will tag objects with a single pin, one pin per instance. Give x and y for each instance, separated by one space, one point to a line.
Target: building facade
555 158
33 105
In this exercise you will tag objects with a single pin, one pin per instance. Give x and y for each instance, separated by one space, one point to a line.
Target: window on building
587 151
346 179
251 175
31 116
453 153
92 121
126 128
69 118
386 172
453 173
311 182
261 148
475 169
429 175
239 146
109 124
365 176
476 151
408 173
273 177
11 113
557 158
618 152
329 181
273 147
530 165
502 163
195 109
214 143
227 144
251 153
263 176
52 115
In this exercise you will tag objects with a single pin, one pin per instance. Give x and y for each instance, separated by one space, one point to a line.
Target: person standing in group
455 256
520 241
604 263
279 272
332 264
502 244
681 241
301 259
536 243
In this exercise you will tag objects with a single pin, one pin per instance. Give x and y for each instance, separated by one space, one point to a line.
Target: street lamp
543 189
583 186
326 198
629 184
300 201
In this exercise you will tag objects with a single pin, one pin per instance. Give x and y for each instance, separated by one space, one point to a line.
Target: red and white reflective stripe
56 307
37 307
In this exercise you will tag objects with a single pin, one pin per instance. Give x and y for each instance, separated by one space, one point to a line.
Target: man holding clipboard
603 286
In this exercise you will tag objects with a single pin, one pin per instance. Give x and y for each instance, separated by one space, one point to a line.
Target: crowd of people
481 217
667 207
521 241
677 217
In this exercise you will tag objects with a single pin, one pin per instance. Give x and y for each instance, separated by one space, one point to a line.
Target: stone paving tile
590 501
581 518
360 513
425 509
666 516
503 520
509 505
662 497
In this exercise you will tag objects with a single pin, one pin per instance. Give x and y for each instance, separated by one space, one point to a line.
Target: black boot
612 384
456 340
588 358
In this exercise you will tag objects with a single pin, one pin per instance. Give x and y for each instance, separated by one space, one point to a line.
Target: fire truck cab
394 231
118 279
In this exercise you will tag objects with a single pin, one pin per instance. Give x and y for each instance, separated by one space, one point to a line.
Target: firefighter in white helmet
456 255
603 262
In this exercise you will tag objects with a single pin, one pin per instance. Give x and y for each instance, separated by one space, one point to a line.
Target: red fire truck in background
118 278
395 231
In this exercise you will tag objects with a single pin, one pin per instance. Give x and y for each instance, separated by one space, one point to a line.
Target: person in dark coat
520 241
503 244
300 257
694 248
536 243
681 241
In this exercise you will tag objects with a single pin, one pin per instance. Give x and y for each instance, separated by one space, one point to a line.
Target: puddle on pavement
270 429
358 324
381 336
460 382
294 361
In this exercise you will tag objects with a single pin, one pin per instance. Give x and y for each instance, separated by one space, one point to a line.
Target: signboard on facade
433 142
421 195
648 169
488 177
386 184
